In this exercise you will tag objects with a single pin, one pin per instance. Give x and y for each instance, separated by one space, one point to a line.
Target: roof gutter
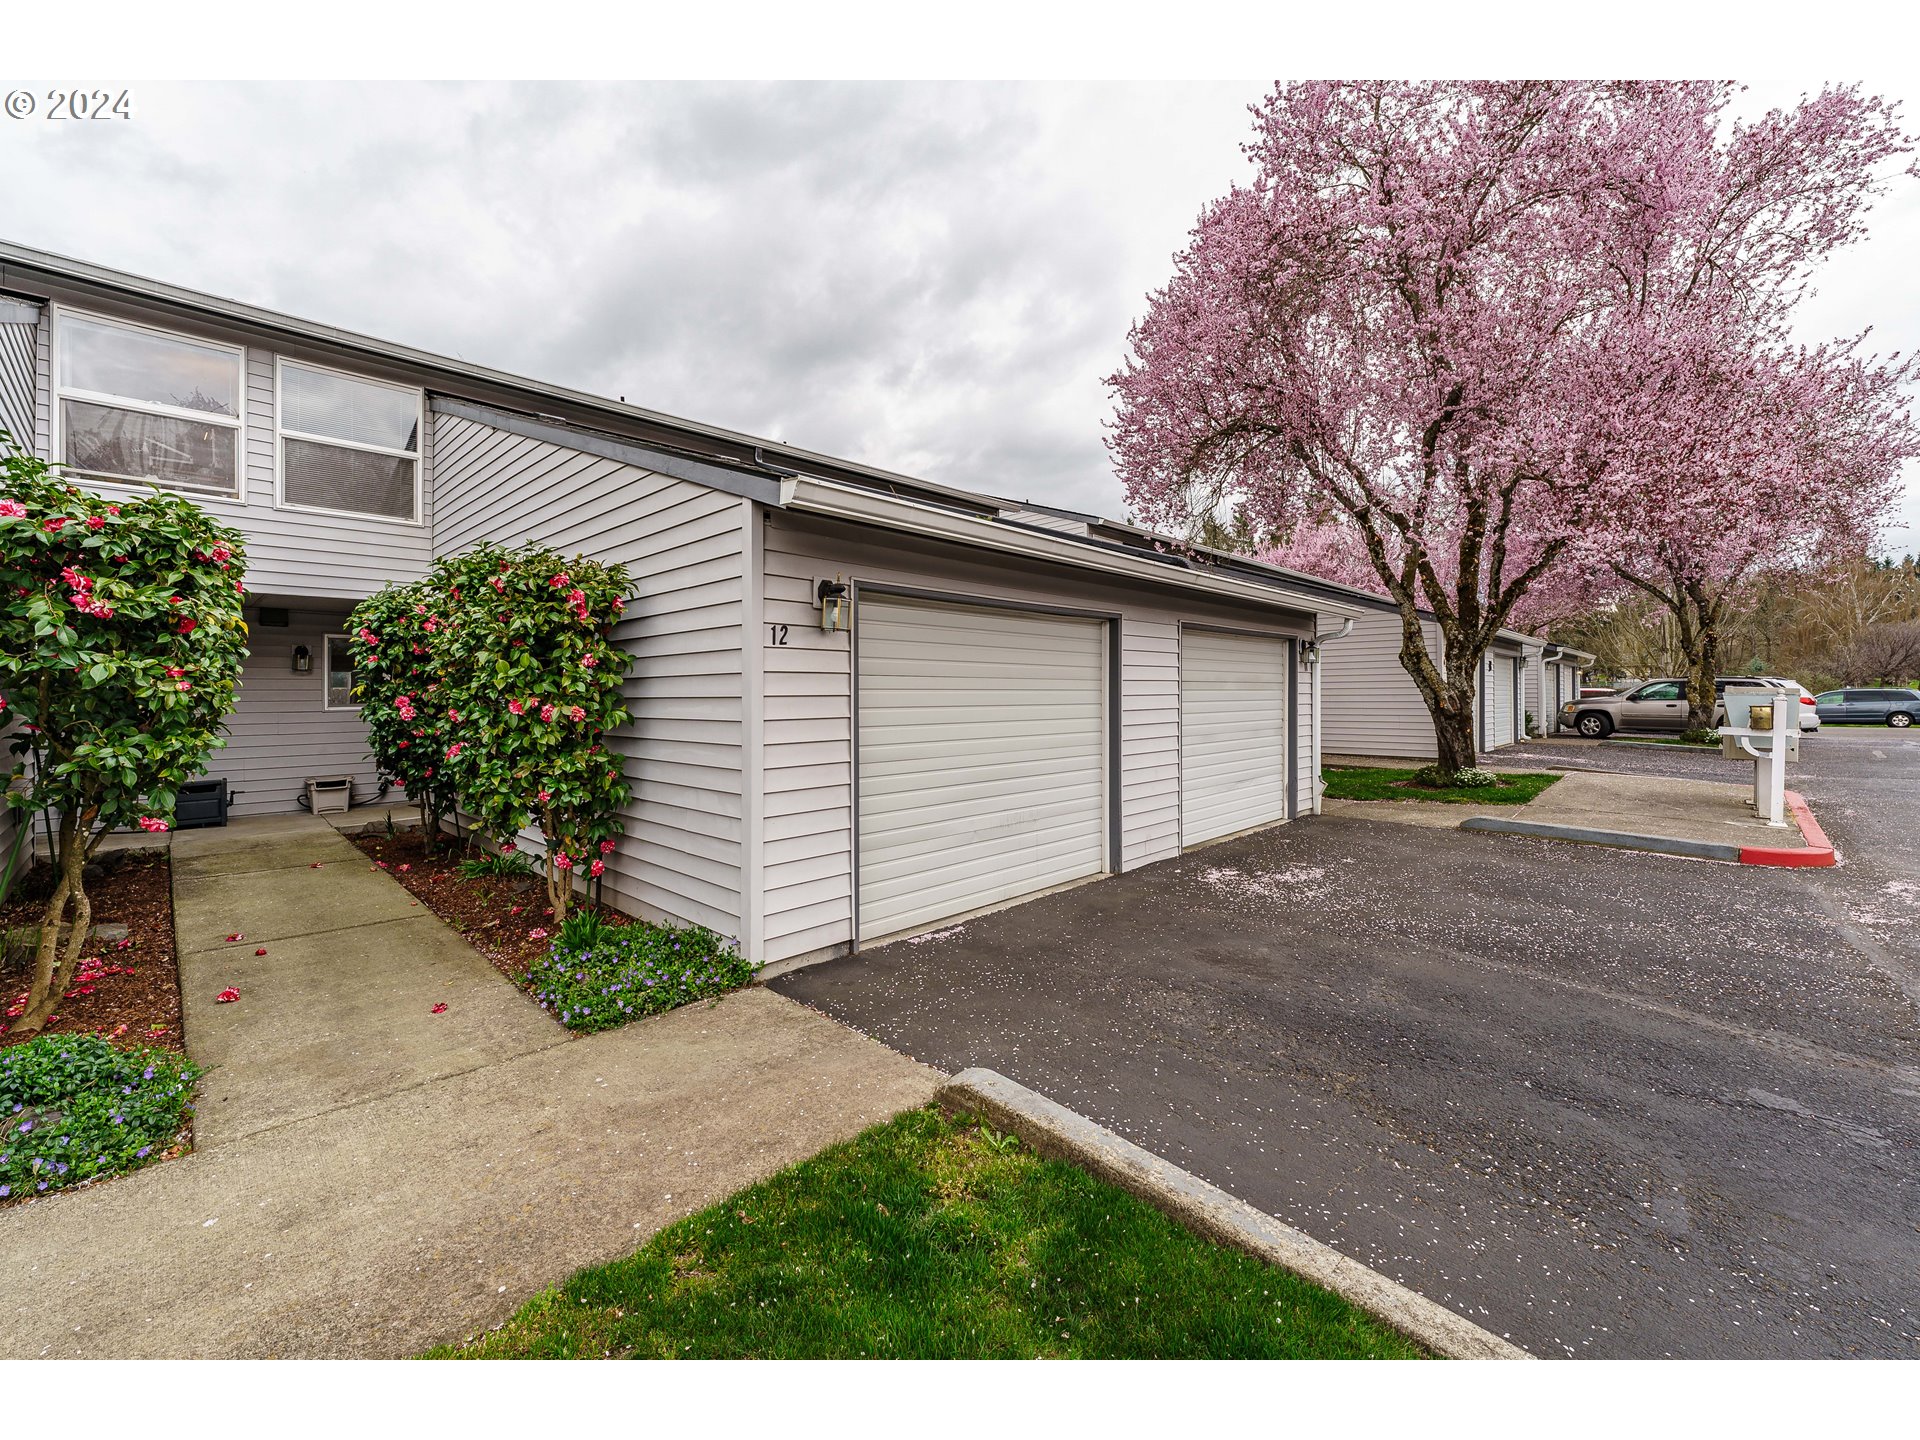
846 502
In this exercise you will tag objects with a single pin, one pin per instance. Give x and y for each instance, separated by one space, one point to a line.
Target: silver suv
1655 705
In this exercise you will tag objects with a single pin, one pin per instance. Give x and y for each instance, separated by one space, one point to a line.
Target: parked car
1662 705
1898 708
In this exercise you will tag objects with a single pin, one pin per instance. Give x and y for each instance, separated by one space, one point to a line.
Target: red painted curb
1818 851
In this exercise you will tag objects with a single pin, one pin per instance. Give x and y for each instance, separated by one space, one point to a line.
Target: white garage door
1233 733
983 757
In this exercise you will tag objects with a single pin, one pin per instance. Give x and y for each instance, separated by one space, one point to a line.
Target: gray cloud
932 278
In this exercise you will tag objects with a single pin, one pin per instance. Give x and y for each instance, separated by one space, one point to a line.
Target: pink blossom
576 714
174 672
546 713
453 751
606 847
536 933
508 847
545 795
514 707
54 525
12 510
597 869
588 661
183 684
562 860
152 825
367 637
96 522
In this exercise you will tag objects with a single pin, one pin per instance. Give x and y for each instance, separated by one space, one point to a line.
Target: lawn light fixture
834 603
302 660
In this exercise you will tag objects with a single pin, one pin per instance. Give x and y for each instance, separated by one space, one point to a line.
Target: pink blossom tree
1775 460
1410 323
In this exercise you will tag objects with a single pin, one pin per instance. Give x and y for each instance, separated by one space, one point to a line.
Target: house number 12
778 634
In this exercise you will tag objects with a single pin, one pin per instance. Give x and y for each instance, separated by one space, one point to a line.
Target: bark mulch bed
506 920
127 990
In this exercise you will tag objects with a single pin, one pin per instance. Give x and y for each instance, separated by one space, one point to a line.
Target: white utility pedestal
1770 744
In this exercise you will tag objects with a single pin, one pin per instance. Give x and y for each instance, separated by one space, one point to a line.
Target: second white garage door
982 757
1233 733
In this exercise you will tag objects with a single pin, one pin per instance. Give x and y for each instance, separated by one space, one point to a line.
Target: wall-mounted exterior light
302 660
1310 651
834 605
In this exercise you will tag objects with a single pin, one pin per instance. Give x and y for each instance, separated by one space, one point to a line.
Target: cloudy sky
931 277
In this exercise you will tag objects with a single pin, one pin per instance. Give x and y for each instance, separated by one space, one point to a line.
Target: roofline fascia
838 501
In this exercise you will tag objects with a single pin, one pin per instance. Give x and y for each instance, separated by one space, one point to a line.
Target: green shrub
74 1107
598 975
508 865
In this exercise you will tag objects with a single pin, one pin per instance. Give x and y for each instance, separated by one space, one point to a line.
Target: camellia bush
519 684
121 641
396 671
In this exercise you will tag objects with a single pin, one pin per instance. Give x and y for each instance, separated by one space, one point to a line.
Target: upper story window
138 404
349 444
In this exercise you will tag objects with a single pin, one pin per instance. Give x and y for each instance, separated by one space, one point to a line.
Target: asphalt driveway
1603 1103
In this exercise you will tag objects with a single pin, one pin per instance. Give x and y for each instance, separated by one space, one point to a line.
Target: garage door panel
1058 842
1233 737
982 757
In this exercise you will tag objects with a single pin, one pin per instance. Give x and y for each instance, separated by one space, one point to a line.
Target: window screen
140 445
348 444
339 675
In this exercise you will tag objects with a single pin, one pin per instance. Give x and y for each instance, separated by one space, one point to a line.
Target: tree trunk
53 970
1450 698
1701 629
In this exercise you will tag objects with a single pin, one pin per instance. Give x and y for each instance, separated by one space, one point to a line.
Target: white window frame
282 434
137 483
326 674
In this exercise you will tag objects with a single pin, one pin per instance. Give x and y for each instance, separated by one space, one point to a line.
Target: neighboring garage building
1007 698
1371 707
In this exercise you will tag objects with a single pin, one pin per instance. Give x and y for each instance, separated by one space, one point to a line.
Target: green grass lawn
1370 782
929 1237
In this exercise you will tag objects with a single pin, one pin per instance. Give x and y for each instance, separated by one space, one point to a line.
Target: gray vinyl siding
1371 705
806 906
280 731
686 547
18 349
299 554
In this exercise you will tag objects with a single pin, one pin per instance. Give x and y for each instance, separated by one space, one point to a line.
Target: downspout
1313 661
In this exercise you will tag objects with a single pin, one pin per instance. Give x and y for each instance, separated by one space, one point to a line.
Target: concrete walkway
371 1178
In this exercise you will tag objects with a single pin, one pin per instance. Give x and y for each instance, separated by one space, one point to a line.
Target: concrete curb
1818 851
1617 839
1061 1134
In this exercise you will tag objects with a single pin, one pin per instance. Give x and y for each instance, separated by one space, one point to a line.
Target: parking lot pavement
1603 1103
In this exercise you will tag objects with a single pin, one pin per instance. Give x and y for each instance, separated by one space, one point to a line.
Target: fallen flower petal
235 936
441 1008
227 997
261 951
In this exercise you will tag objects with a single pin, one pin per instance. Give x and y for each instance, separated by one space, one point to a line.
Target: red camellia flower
227 996
152 826
96 522
187 625
261 951
597 869
54 524
606 847
441 1008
